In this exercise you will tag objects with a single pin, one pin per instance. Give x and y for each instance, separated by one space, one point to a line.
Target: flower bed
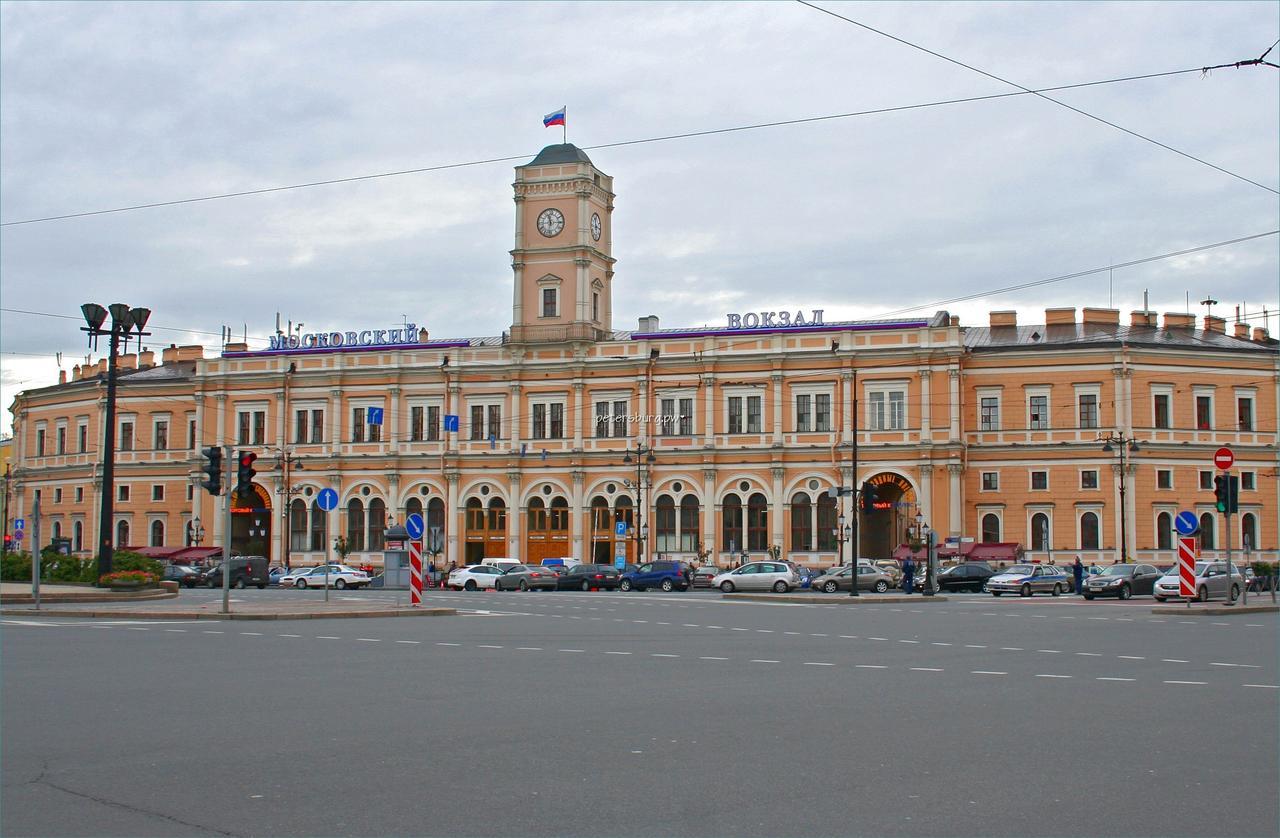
127 580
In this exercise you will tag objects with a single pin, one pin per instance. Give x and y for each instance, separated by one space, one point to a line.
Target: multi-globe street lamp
1117 442
643 460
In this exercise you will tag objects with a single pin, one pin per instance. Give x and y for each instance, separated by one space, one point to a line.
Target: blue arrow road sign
19 523
1187 523
327 500
451 422
373 416
413 524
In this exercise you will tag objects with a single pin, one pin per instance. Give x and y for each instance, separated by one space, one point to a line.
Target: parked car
968 576
669 575
473 577
185 575
870 578
807 575
245 571
340 576
758 576
525 578
1123 581
276 574
1067 574
703 575
1027 579
1210 583
893 569
290 576
584 577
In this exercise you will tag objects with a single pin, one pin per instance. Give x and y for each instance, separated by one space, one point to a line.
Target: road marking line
1173 660
138 628
1115 679
398 641
795 633
936 643
182 631
1050 651
1124 619
877 638
1097 618
973 646
691 625
740 629
762 631
206 631
1263 686
762 660
439 644
1186 682
253 633
485 646
1219 624
528 648
288 635
1132 657
1152 620
667 624
1187 622
711 658
1012 649
869 666
1255 626
639 621
1243 665
1090 654
986 672
817 663
845 636
617 653
819 635
662 655
330 637
571 650
1055 676
714 627
924 669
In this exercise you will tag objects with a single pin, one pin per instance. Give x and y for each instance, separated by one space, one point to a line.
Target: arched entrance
251 523
547 532
886 525
605 541
486 530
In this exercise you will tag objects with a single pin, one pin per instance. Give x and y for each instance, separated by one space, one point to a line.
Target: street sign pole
1226 517
35 553
415 574
227 492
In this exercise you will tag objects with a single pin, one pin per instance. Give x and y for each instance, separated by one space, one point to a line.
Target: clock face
595 226
550 222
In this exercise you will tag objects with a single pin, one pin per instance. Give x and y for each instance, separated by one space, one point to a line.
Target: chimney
169 354
62 376
1004 318
234 347
955 320
1059 316
75 373
196 352
648 324
1103 316
146 359
1174 320
1242 331
102 366
1260 334
1142 318
127 362
1213 323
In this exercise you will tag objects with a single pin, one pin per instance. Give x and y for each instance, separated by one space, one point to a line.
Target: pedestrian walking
908 575
1077 571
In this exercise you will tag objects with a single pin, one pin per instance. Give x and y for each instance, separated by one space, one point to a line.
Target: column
708 411
1131 508
926 406
1115 513
777 408
453 407
391 442
580 516
395 510
642 409
453 522
511 421
846 409
578 387
954 375
926 492
775 514
955 518
335 422
515 516
708 513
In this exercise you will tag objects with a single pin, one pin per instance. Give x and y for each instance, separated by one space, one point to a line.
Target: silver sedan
837 579
524 578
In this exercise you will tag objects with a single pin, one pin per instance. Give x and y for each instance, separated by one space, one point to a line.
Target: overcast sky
110 105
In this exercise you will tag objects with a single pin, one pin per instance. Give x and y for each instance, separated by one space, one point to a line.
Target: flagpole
564 127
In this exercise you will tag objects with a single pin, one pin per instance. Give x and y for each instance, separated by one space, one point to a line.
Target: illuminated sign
774 319
408 335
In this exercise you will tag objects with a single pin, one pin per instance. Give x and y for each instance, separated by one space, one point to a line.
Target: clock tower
562 259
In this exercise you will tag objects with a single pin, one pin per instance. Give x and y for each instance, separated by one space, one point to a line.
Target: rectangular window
595 306
300 426
1244 413
433 423
990 413
82 434
667 421
1089 479
735 414
317 426
1248 482
62 441
191 492
1160 409
557 421
1039 481
1088 410
1204 413
40 443
79 494
803 415
539 421
57 495
242 429
259 427
1038 420
1164 478
477 421
548 302
686 417
897 410
415 423
122 493
126 437
162 435
157 492
357 424
191 435
620 418
991 481
603 421
495 421
875 411
753 414
822 412
1206 481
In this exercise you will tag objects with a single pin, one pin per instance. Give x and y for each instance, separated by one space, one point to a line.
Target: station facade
566 437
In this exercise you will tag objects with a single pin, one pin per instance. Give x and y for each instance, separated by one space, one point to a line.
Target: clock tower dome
562 260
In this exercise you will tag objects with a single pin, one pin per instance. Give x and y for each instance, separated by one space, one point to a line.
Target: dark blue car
665 574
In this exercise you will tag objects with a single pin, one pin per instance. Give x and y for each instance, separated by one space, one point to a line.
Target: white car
339 576
473 577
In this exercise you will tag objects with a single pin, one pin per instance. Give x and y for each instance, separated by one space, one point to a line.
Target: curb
203 615
64 598
1215 610
839 596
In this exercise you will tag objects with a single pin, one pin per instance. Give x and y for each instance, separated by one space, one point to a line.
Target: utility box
395 558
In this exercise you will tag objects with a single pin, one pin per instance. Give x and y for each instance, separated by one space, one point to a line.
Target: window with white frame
991 481
191 432
308 425
160 434
1248 481
745 412
1164 478
547 418
126 436
812 409
40 434
1203 397
675 411
157 492
1244 411
60 446
550 302
1087 405
991 526
1206 481
1038 410
82 436
1090 530
362 430
611 415
251 426
989 413
1039 481
1162 406
1089 478
424 421
886 405
485 420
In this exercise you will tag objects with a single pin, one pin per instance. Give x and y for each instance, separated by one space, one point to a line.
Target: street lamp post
643 460
1117 442
126 324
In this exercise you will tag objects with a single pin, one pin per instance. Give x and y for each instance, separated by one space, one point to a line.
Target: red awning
153 552
194 555
1003 551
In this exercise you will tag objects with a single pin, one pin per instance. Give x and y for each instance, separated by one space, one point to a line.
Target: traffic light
867 497
212 469
1221 492
245 473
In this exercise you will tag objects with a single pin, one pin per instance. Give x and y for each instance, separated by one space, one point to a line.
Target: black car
185 575
584 577
969 576
1123 581
245 571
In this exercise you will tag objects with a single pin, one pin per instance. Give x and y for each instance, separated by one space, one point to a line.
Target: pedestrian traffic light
245 473
1221 490
867 497
212 469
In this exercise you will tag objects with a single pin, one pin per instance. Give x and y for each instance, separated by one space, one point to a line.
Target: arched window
157 533
355 525
665 524
57 529
537 517
413 506
1248 532
990 528
77 536
689 528
1040 531
1207 540
828 521
377 523
801 523
559 517
475 515
1164 531
731 531
497 517
122 535
601 520
298 525
1089 535
757 522
436 533
319 527
623 511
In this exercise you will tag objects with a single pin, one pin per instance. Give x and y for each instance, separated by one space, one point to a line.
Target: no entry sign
1223 458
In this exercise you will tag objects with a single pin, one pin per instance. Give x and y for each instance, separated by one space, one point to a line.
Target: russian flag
554 118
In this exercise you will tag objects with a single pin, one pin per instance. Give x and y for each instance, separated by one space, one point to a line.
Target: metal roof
566 153
997 338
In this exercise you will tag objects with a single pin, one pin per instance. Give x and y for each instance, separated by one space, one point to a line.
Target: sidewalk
19 593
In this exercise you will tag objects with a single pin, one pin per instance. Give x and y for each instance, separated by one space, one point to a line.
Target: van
245 571
501 564
566 562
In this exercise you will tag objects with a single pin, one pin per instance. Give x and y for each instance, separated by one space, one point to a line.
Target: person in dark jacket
908 575
1077 571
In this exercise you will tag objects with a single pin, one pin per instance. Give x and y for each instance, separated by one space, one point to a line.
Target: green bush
137 561
70 570
1263 568
15 567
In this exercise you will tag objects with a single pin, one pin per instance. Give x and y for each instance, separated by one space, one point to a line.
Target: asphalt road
646 714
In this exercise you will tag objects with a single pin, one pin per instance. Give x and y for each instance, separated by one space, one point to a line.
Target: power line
1041 93
645 140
